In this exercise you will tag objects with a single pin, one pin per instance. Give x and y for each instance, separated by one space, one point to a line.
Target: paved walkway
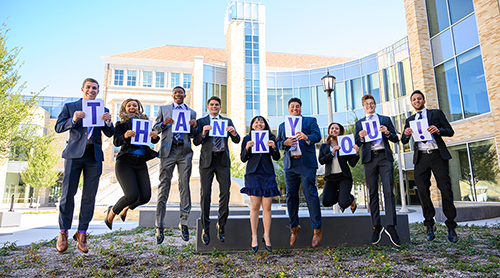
38 227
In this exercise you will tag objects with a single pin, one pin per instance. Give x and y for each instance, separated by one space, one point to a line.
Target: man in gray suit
214 160
175 150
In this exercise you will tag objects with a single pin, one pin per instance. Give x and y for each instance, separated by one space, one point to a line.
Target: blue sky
63 41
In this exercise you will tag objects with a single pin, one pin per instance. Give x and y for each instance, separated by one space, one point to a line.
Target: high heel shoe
123 216
109 224
268 247
353 209
255 248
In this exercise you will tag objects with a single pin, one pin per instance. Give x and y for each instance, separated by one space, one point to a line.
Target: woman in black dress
131 169
260 181
338 178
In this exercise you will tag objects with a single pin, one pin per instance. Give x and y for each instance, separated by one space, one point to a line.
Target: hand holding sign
260 139
142 130
419 128
93 109
372 130
293 124
181 121
346 143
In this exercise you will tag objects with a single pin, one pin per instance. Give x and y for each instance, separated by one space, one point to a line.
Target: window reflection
465 34
448 94
437 13
442 48
485 170
460 174
459 9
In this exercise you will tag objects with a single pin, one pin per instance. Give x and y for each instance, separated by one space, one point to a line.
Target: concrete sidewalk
39 227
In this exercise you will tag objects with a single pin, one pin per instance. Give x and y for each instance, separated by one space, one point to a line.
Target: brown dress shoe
294 234
316 237
82 242
62 242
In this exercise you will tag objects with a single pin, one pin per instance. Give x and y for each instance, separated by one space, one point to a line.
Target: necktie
90 130
178 136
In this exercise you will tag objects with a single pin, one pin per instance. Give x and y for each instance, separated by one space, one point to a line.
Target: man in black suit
83 153
214 159
432 156
378 159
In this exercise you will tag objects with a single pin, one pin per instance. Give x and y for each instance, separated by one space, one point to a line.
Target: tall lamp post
329 86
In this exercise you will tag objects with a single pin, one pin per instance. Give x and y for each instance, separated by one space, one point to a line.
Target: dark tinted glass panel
437 13
465 34
442 47
447 88
459 9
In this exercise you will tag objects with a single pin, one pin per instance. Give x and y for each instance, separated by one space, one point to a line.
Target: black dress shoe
109 224
342 209
159 235
220 233
268 247
452 235
430 232
184 232
205 237
255 248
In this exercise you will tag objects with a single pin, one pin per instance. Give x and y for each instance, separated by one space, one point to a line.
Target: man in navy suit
214 160
83 153
377 158
300 165
432 156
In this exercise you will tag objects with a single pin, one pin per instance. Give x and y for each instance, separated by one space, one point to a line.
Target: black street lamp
329 86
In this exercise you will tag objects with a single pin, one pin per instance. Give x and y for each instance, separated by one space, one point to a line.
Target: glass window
460 173
147 78
323 100
314 100
118 78
147 110
223 98
284 81
186 80
369 66
272 109
300 80
160 79
374 84
156 108
448 94
174 79
465 34
287 95
352 72
357 93
437 13
118 106
405 74
484 162
459 9
131 78
390 84
340 99
305 97
473 83
442 48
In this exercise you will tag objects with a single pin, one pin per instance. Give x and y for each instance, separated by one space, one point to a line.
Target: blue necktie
90 130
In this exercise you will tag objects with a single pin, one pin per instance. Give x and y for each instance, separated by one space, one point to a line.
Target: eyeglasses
369 104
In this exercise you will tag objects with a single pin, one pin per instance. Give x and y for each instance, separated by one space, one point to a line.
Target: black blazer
253 160
437 118
119 140
326 157
207 141
366 153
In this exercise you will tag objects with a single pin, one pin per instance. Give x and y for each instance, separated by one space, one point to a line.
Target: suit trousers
73 168
439 167
133 175
293 178
223 175
184 166
337 189
380 165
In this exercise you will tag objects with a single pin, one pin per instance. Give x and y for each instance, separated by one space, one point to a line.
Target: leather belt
178 144
296 156
217 153
134 155
378 151
428 151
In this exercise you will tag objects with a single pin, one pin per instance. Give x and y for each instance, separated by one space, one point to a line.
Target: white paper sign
293 124
260 139
181 121
93 109
346 143
218 128
142 129
420 132
372 128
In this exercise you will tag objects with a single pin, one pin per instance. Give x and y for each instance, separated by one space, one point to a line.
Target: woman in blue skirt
260 181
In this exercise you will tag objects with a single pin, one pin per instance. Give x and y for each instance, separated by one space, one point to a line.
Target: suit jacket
167 134
366 154
78 133
253 160
437 118
309 128
207 141
120 140
326 157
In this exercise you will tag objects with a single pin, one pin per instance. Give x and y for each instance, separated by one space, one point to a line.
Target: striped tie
90 130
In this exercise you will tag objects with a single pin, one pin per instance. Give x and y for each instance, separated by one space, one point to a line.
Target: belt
378 151
428 151
134 155
89 146
178 144
217 153
296 156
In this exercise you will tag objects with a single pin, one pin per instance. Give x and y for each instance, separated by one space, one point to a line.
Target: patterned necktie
178 136
90 130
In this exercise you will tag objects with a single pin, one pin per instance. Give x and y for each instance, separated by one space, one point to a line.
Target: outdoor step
338 230
468 211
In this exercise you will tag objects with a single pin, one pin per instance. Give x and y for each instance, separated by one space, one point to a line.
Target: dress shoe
268 247
452 235
255 248
109 224
430 232
62 242
377 233
353 209
316 237
81 240
393 235
220 233
123 216
159 235
205 237
294 234
342 209
184 232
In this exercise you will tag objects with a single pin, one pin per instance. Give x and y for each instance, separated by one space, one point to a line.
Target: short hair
179 87
295 99
341 131
92 80
214 98
417 92
367 97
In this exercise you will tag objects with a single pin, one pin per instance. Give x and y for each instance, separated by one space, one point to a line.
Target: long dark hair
266 127
331 137
124 116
